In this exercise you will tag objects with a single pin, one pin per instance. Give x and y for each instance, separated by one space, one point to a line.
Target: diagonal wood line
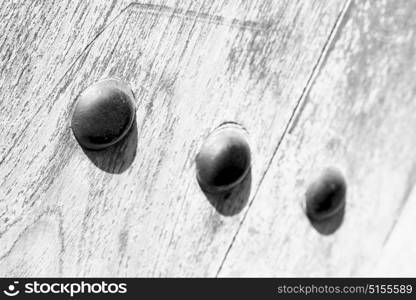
295 114
410 186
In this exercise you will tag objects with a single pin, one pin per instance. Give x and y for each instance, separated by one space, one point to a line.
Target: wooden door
314 83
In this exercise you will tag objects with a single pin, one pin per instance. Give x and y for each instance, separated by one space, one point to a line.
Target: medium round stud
326 196
224 159
103 114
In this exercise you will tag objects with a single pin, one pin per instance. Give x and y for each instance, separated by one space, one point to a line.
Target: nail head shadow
331 224
232 202
117 158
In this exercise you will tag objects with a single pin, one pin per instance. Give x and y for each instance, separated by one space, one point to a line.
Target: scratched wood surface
359 115
314 83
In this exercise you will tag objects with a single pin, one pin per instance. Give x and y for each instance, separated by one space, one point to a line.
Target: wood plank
136 210
359 115
39 43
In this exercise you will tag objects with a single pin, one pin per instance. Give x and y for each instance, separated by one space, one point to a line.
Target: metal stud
103 114
224 159
326 196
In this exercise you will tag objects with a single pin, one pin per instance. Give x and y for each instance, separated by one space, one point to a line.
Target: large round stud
224 159
103 114
326 196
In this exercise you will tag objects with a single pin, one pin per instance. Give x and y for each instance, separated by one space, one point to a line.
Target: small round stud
224 159
326 196
103 114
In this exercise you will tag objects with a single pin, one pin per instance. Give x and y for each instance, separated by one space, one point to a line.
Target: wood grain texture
136 209
39 44
358 115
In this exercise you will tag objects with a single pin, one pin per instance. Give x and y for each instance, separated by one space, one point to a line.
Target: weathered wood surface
136 209
359 114
398 257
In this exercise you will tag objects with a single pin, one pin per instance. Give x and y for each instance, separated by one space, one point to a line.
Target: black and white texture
315 84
